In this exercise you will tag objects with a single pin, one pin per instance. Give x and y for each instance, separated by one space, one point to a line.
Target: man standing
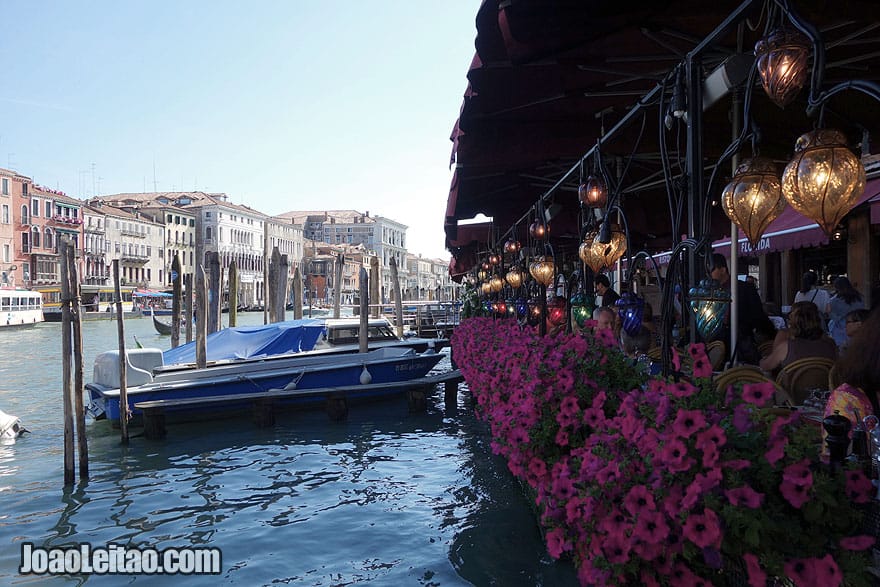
751 315
603 288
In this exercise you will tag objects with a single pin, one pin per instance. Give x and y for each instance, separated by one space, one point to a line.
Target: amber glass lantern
590 252
593 193
753 198
496 284
512 246
482 275
486 288
543 269
614 249
514 277
782 64
825 179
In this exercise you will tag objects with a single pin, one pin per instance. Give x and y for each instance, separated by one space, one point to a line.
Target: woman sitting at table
806 338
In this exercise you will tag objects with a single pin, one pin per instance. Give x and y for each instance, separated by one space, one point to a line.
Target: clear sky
283 105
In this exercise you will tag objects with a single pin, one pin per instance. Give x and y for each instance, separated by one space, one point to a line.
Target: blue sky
283 105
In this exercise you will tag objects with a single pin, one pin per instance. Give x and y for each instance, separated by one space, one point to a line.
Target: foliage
659 482
471 304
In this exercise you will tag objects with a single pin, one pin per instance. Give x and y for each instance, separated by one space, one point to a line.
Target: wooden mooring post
398 303
176 279
365 309
123 360
337 285
67 383
233 294
78 380
375 287
154 423
297 294
188 281
201 318
212 299
336 406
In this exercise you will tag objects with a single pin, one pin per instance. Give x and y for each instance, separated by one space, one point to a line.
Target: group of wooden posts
207 319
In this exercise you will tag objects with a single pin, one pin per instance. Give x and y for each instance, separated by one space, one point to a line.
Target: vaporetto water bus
20 307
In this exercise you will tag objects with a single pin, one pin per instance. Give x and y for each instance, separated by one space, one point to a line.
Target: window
24 215
4 188
192 222
48 208
36 237
169 219
6 257
5 213
47 239
35 207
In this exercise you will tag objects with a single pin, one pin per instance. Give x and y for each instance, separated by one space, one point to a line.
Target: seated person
635 346
859 367
806 338
854 321
605 317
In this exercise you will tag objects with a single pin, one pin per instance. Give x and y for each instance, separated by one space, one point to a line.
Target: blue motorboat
148 379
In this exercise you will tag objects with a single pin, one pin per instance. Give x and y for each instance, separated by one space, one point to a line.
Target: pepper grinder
837 427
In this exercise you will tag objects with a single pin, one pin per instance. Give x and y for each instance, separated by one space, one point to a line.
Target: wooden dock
264 405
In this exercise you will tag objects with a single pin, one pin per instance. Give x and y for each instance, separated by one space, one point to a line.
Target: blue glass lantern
487 306
582 306
630 308
710 303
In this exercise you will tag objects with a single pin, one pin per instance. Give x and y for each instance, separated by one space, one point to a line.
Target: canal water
386 498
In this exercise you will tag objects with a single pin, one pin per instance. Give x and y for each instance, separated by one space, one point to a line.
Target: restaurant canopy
549 78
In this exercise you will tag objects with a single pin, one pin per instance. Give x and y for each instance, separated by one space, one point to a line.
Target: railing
137 233
94 229
61 219
135 257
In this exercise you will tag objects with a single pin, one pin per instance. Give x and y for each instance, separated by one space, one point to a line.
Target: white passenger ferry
20 307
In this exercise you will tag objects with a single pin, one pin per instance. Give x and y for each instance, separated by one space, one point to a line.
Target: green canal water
386 498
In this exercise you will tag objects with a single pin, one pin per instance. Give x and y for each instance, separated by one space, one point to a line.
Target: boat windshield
349 334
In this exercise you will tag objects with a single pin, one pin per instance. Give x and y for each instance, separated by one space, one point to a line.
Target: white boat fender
10 426
366 378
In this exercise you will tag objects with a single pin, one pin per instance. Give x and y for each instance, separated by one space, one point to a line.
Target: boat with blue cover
148 378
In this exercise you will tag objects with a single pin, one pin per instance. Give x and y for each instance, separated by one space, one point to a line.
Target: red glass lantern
512 246
593 192
782 63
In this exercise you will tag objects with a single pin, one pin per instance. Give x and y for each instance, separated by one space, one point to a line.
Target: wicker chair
716 351
655 353
800 376
748 374
765 348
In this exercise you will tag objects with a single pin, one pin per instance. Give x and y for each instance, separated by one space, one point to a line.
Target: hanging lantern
593 193
825 179
514 277
501 308
512 246
753 198
486 288
709 302
496 284
782 63
494 259
630 308
485 266
555 312
616 248
511 307
582 306
543 269
539 230
534 317
487 306
590 252
482 274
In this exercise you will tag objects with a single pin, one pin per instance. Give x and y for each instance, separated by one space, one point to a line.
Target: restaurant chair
800 377
765 348
742 374
655 353
716 351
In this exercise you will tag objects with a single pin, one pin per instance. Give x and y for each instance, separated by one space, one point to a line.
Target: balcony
134 258
135 233
94 252
65 220
93 229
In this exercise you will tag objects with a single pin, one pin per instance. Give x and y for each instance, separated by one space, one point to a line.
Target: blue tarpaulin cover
244 342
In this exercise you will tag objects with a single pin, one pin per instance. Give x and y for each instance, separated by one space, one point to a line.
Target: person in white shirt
810 293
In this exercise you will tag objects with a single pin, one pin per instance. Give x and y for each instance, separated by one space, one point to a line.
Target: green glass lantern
710 303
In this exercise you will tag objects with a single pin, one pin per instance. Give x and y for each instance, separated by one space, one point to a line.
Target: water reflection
387 497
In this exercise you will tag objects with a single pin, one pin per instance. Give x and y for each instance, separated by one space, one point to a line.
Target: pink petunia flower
827 572
651 527
799 473
703 529
776 450
557 543
759 394
796 495
639 499
859 488
857 542
674 456
688 423
744 496
702 367
757 577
